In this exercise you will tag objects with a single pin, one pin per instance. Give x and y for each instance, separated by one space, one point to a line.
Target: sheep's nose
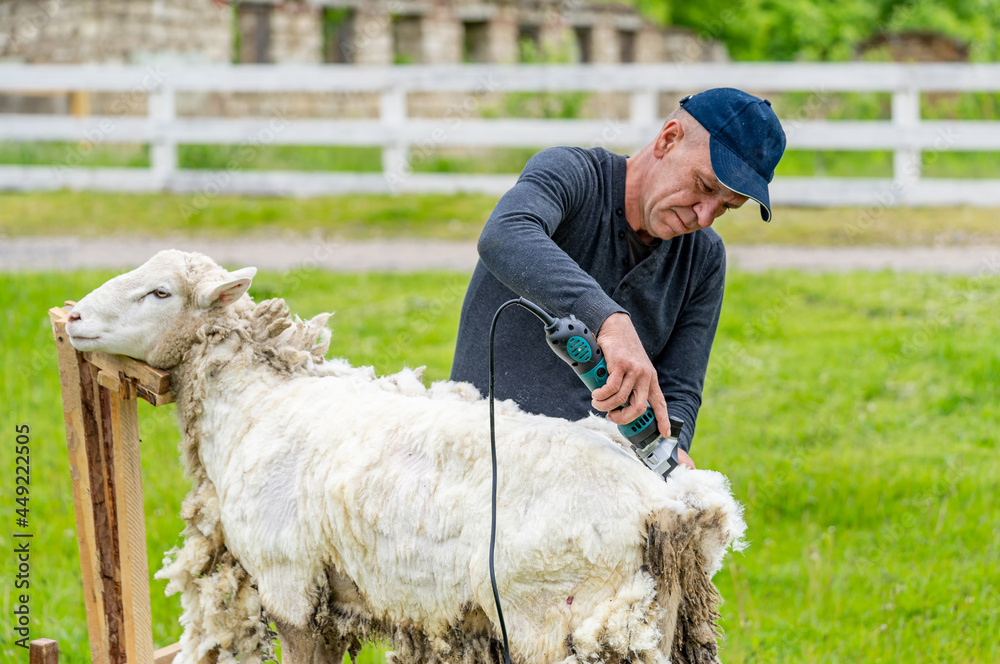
74 316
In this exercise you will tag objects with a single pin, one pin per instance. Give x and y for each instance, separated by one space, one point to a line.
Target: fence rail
906 134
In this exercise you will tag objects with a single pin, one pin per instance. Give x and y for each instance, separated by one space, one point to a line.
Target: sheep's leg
305 646
696 634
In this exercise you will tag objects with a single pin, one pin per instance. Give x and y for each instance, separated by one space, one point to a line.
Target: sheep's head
139 313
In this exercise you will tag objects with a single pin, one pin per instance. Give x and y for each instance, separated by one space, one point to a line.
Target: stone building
361 32
346 31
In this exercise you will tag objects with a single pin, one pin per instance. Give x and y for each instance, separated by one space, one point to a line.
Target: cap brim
739 176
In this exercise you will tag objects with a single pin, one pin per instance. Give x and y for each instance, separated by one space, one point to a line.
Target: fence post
644 111
162 111
395 151
102 435
906 118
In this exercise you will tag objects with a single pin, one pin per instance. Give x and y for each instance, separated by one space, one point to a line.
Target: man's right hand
631 375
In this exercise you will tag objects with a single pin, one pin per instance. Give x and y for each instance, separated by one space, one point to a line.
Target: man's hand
684 460
631 376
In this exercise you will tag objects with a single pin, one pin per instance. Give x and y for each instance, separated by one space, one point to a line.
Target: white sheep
342 506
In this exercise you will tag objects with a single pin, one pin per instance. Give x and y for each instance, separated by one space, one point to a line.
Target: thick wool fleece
341 505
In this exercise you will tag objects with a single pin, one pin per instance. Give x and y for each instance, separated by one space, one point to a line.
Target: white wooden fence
906 134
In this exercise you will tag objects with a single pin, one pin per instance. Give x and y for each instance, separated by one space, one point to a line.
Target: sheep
340 506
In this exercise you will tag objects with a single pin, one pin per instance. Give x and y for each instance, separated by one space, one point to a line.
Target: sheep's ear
220 294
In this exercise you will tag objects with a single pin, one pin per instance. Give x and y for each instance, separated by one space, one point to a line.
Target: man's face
680 193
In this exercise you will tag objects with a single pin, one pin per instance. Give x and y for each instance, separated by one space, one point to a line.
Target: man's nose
709 211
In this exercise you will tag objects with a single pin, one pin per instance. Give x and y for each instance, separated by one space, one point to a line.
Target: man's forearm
519 253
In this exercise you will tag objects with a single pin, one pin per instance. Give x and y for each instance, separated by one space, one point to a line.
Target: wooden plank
879 193
166 655
101 460
326 184
155 381
79 103
813 134
81 424
131 526
24 127
109 381
784 190
51 178
43 651
111 78
786 76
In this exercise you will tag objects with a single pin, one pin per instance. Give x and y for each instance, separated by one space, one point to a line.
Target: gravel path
65 253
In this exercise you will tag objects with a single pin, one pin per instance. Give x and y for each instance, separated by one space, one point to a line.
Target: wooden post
395 152
79 103
906 167
43 651
102 436
162 108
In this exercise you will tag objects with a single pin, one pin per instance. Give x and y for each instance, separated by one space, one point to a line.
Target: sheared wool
345 506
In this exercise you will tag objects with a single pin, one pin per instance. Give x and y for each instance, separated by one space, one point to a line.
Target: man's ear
220 294
671 133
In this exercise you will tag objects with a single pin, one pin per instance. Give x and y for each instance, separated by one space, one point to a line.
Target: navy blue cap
746 142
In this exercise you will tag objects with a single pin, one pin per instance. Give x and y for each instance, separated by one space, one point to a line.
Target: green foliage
960 106
335 22
810 30
855 415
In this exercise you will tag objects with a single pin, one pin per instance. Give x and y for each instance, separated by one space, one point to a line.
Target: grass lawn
459 217
855 414
440 159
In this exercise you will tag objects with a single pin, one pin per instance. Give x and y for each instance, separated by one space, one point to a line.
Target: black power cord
493 451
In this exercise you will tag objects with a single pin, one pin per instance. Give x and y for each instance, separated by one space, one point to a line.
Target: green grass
280 158
855 414
432 159
834 164
352 217
461 217
436 159
82 154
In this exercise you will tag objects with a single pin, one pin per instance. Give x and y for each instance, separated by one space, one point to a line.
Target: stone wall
378 32
441 35
296 34
114 31
423 31
371 41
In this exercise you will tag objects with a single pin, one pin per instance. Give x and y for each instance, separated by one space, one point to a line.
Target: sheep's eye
160 293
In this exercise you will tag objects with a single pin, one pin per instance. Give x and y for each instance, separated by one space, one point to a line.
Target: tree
827 29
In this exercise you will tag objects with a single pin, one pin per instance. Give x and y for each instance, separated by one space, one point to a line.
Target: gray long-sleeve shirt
558 238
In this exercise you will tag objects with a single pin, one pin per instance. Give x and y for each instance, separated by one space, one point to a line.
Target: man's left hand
684 460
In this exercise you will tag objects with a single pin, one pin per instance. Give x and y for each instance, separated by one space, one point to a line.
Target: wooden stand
102 433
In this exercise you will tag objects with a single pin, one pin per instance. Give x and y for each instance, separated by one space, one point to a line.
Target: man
624 244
